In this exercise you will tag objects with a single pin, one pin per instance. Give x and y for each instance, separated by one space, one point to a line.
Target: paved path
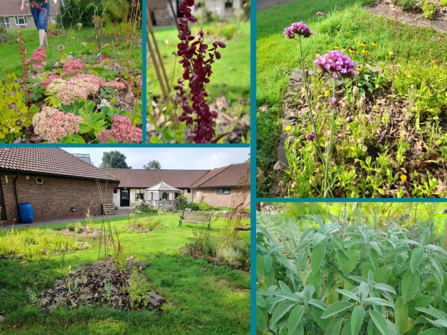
264 4
120 212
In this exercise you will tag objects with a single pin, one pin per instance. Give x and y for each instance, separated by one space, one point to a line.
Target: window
165 196
20 20
228 4
4 22
223 191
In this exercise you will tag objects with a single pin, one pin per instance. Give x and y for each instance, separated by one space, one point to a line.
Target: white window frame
5 22
21 17
223 191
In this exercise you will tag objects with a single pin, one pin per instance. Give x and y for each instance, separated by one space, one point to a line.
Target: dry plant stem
328 154
133 31
317 138
138 96
154 60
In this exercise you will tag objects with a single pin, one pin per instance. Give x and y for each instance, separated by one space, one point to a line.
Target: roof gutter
55 176
17 199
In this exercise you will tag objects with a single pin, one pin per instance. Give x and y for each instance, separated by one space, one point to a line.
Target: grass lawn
10 58
233 69
215 301
345 23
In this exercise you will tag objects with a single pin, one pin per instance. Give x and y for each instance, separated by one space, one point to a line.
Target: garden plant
350 276
362 112
208 103
84 88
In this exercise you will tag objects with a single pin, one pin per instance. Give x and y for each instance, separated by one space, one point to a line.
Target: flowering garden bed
369 121
71 94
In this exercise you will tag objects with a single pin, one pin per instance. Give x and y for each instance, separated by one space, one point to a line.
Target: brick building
56 183
228 186
12 18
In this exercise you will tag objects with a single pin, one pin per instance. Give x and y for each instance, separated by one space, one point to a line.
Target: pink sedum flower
123 131
37 58
54 124
115 84
72 67
46 82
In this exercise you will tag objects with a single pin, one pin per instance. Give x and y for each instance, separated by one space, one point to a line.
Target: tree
114 160
153 165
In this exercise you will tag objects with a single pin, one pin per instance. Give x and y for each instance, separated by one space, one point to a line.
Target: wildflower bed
69 93
372 127
201 298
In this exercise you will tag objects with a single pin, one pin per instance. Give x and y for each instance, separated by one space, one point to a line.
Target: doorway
2 205
125 198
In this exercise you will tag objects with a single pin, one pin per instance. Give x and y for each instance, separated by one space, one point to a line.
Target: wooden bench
108 209
196 217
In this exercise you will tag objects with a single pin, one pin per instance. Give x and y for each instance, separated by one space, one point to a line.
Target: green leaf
317 257
416 259
268 262
299 330
261 321
380 322
316 313
401 315
357 319
260 269
425 236
349 294
377 302
260 300
382 274
333 328
280 311
318 238
433 331
422 301
317 303
346 329
295 318
385 287
336 308
410 284
374 258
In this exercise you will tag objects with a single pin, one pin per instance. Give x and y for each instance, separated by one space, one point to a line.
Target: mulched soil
83 232
239 125
419 156
414 17
87 287
141 229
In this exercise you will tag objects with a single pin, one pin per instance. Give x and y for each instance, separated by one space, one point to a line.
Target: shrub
363 280
71 226
233 255
407 4
78 227
443 2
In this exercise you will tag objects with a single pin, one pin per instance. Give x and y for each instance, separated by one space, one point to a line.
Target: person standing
40 10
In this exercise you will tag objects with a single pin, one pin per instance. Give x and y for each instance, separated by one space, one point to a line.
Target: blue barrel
26 212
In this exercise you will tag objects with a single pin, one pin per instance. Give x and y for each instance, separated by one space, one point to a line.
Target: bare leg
46 40
42 35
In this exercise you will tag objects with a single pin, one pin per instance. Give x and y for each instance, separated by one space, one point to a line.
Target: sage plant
197 60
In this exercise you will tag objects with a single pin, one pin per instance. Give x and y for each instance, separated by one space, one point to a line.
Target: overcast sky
175 158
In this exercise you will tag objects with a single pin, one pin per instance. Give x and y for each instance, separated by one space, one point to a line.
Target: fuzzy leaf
295 318
401 315
416 258
357 319
380 322
336 308
261 321
410 284
317 257
280 311
333 328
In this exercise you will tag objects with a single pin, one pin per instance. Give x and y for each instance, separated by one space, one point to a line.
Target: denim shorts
41 16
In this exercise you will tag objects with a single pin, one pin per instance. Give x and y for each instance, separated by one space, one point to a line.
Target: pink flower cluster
72 67
197 70
115 84
37 58
336 62
54 124
72 90
122 131
91 77
298 28
46 82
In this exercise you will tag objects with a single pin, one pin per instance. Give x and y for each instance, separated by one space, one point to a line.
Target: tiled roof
143 178
12 8
231 175
50 161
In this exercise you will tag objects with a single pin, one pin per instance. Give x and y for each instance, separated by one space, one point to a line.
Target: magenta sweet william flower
298 28
320 14
336 63
311 137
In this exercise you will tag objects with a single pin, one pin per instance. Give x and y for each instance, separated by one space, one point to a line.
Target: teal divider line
253 165
351 200
125 145
144 81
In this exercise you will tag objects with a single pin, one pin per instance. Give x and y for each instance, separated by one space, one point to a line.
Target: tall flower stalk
335 63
